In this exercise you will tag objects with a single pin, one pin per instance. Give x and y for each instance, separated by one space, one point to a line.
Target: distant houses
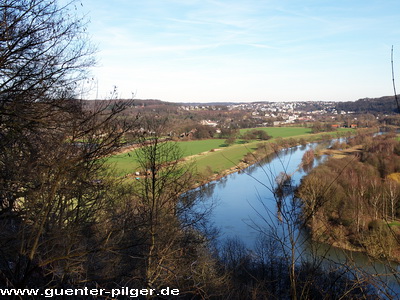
336 126
208 123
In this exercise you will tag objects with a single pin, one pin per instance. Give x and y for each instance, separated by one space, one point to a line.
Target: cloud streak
243 41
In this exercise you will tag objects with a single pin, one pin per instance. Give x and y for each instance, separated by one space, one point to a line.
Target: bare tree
306 272
52 181
42 56
173 242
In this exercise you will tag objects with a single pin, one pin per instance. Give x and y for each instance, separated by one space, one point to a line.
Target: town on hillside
205 120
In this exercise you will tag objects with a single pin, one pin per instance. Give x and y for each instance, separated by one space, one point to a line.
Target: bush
377 225
255 134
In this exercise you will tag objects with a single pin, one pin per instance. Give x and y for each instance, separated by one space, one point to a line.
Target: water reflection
308 167
246 198
260 197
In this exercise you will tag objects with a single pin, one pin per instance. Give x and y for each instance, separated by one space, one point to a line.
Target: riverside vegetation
215 157
353 202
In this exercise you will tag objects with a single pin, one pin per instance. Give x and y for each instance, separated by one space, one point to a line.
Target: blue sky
249 50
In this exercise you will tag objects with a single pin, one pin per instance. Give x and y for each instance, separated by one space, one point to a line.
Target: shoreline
347 246
241 165
338 244
341 242
313 138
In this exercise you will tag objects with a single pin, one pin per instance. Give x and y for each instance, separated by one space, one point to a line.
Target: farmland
214 154
282 131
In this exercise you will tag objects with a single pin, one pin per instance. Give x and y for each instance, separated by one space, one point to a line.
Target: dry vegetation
352 200
66 222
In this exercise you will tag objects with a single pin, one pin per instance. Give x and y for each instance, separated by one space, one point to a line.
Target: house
208 123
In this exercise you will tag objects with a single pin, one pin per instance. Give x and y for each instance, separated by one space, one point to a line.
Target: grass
196 147
223 159
281 131
394 223
124 163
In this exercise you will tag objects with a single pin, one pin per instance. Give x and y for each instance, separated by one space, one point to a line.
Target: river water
245 205
245 200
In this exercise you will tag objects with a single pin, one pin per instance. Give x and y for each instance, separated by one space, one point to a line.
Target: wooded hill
382 105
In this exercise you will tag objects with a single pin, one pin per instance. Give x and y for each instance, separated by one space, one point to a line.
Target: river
246 205
244 199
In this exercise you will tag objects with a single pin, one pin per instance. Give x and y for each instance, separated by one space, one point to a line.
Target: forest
382 105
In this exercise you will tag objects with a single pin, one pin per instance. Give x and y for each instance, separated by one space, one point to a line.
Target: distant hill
209 103
382 105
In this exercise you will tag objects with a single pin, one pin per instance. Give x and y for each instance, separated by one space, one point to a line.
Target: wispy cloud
146 41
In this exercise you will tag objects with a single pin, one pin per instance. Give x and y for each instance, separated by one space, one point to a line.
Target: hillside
382 105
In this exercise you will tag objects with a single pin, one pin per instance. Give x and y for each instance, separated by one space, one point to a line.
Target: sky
243 51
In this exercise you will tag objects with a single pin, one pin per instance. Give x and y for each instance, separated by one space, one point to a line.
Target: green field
394 223
281 131
123 163
195 147
223 157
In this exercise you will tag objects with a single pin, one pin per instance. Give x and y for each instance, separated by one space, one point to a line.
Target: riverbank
352 203
341 153
375 247
214 156
261 150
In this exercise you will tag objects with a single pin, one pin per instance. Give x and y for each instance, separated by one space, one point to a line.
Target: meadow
281 131
214 154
